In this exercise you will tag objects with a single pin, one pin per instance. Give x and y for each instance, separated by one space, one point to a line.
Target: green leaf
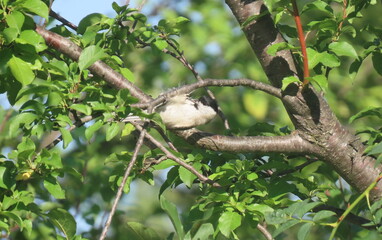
127 129
28 227
58 67
326 25
21 70
89 20
321 80
4 226
10 34
14 217
26 145
53 160
54 188
254 18
24 119
160 44
90 55
304 231
343 49
186 176
83 108
172 212
32 38
276 217
138 231
89 132
7 179
260 208
313 56
330 60
377 62
205 231
112 130
228 222
377 149
35 106
63 120
318 5
288 80
284 226
64 221
181 20
127 74
322 215
370 111
36 6
272 50
304 207
15 20
66 137
252 176
327 59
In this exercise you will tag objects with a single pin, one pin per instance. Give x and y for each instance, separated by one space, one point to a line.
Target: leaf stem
352 206
301 38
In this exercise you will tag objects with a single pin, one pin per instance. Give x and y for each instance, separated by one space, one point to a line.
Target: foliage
49 192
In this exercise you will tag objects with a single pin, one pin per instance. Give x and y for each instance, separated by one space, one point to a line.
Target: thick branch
99 68
283 144
261 34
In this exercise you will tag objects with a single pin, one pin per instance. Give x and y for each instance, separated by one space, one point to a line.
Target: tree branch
283 144
263 229
99 68
56 16
209 83
261 34
124 179
171 156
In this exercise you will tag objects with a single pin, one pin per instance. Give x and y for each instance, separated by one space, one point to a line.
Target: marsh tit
183 112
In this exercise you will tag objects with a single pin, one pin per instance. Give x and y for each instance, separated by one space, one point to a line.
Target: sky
74 10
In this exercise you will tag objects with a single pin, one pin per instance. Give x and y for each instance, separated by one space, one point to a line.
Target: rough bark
310 113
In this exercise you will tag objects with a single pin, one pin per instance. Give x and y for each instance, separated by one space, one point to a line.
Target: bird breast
178 114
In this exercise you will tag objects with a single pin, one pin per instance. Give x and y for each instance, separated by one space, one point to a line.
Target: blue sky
75 10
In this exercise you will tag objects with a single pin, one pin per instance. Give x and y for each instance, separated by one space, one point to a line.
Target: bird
183 112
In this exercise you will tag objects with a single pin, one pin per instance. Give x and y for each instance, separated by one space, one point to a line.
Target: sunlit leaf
228 222
21 70
90 55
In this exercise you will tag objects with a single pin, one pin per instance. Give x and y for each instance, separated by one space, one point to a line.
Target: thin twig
344 16
263 229
56 16
171 156
125 176
212 82
182 59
